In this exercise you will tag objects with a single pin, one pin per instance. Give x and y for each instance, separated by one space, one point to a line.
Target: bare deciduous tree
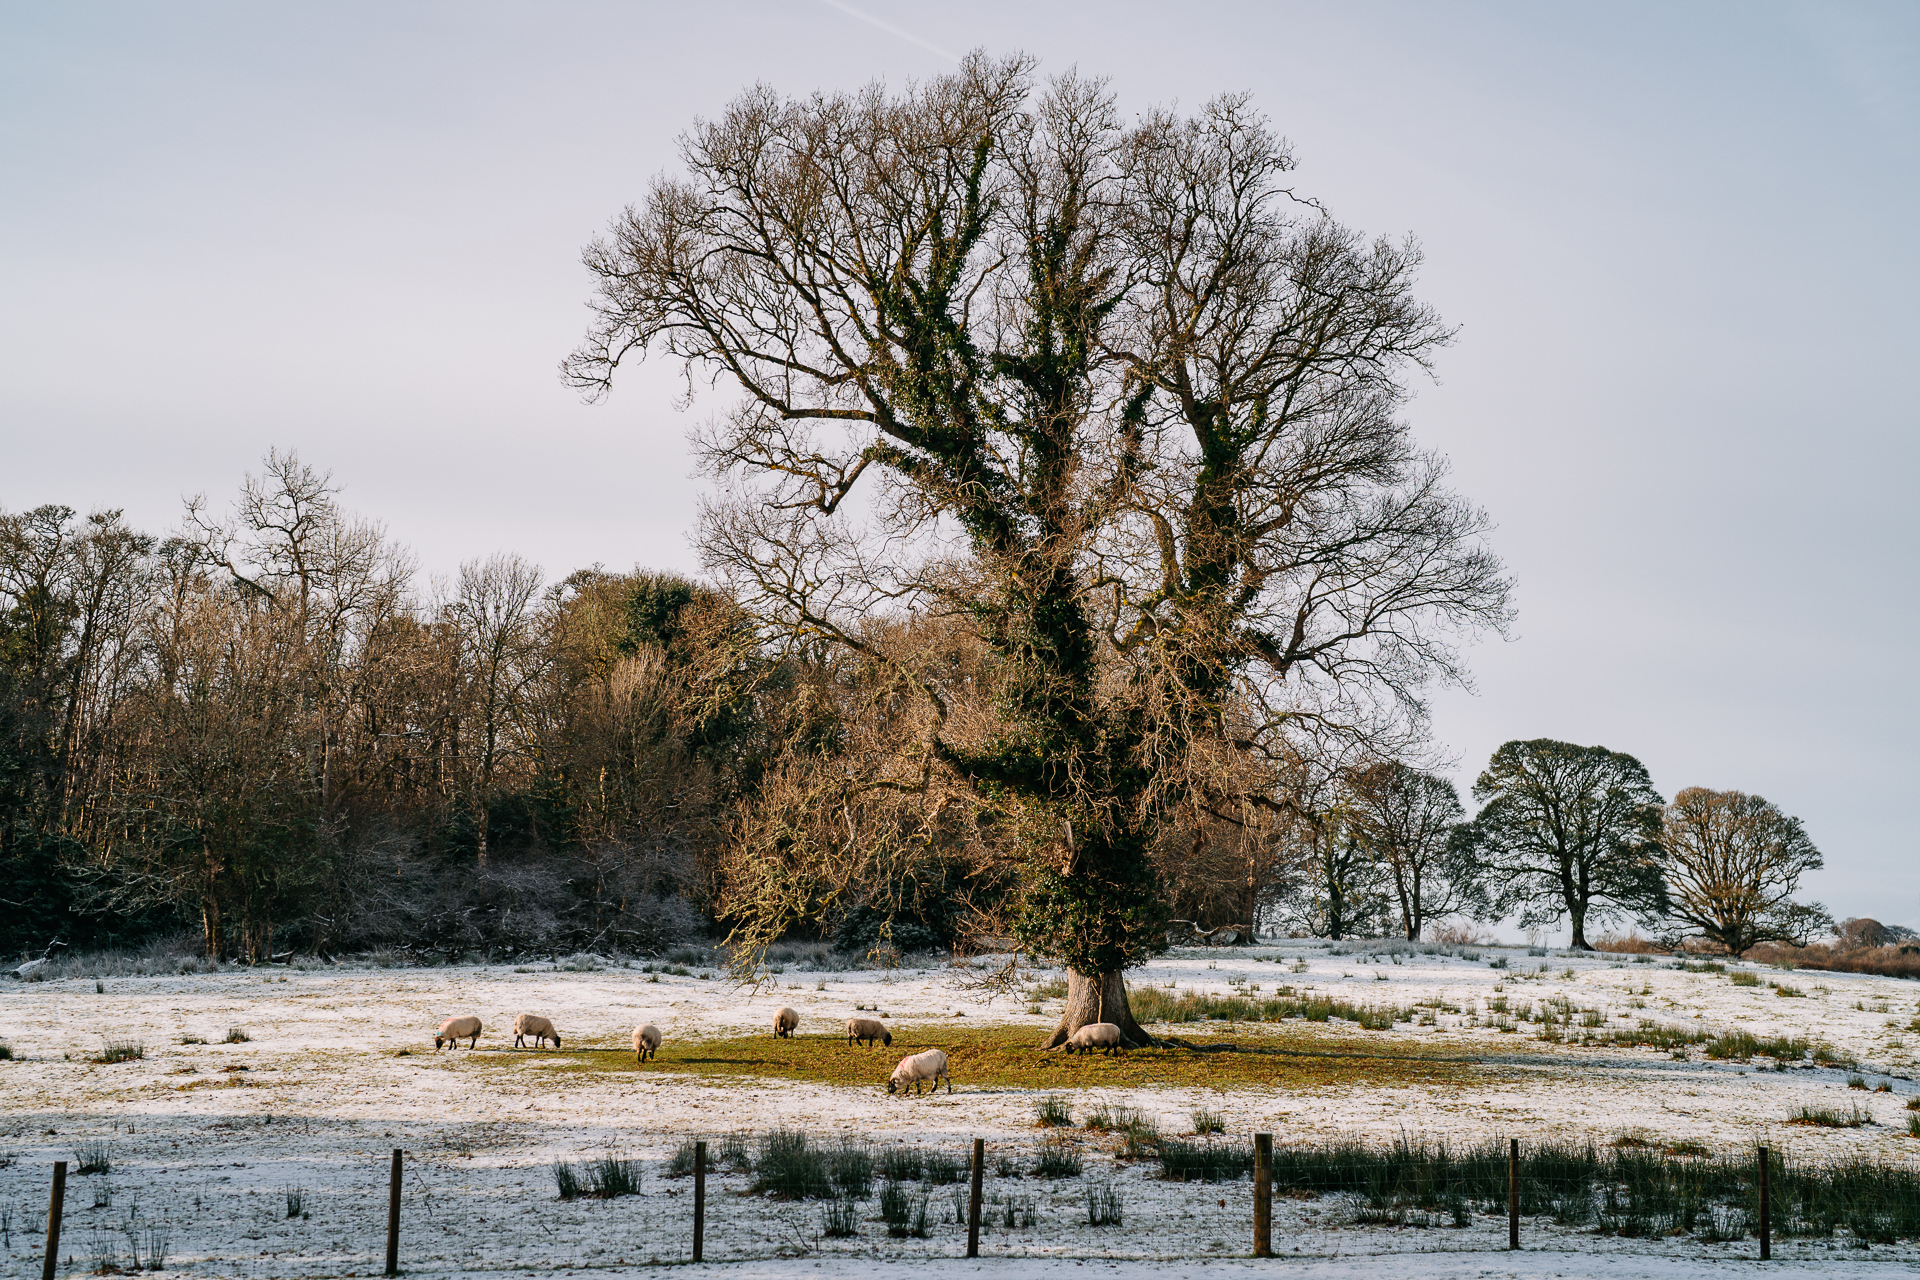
1732 862
1123 405
495 612
1568 831
1408 822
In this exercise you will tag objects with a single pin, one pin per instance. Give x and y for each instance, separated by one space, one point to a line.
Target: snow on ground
206 1153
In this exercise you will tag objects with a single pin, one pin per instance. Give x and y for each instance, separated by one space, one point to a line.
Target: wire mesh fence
1116 1190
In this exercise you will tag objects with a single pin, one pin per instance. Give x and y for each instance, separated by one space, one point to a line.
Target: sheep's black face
893 1086
887 1039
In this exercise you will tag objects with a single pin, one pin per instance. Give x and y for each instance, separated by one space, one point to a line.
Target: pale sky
1679 241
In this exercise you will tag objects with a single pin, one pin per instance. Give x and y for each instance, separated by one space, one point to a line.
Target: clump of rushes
235 1036
1743 978
1654 1036
566 1179
944 1168
1116 1120
93 1157
610 1176
122 1051
1052 1112
1857 1082
841 1219
1203 1161
791 1169
1205 1122
1832 1117
1056 1159
1103 1205
1744 1045
896 1208
6 1051
604 1178
902 1164
850 1166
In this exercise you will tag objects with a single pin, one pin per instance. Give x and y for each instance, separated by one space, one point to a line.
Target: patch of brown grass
1898 960
1632 944
1011 1056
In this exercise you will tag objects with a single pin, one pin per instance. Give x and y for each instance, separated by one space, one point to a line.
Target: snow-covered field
207 1138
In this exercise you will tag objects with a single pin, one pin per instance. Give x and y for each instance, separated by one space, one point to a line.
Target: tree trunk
1579 932
1098 997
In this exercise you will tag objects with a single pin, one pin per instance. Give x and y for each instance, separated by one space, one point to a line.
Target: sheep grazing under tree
532 1024
784 1021
454 1030
646 1042
1097 1035
868 1031
919 1067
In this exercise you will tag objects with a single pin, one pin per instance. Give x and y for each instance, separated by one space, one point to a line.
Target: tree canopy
1732 862
1569 832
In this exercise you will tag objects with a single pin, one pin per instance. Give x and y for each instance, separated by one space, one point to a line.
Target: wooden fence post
393 1216
699 1201
973 1199
55 1204
1513 1193
1263 1195
1766 1207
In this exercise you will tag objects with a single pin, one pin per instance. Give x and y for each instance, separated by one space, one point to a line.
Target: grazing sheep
931 1065
646 1042
785 1020
454 1030
868 1030
1096 1035
532 1024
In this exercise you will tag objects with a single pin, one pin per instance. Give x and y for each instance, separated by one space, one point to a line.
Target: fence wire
1116 1190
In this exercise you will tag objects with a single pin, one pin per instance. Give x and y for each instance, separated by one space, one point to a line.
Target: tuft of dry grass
1855 1117
1153 1004
1896 960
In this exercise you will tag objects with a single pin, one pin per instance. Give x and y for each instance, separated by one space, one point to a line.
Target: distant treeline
266 729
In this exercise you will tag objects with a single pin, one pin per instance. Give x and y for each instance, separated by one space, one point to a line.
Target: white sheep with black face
646 1042
918 1068
868 1031
454 1030
1096 1035
532 1024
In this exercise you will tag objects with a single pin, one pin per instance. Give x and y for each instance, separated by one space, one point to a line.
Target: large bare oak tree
1109 394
